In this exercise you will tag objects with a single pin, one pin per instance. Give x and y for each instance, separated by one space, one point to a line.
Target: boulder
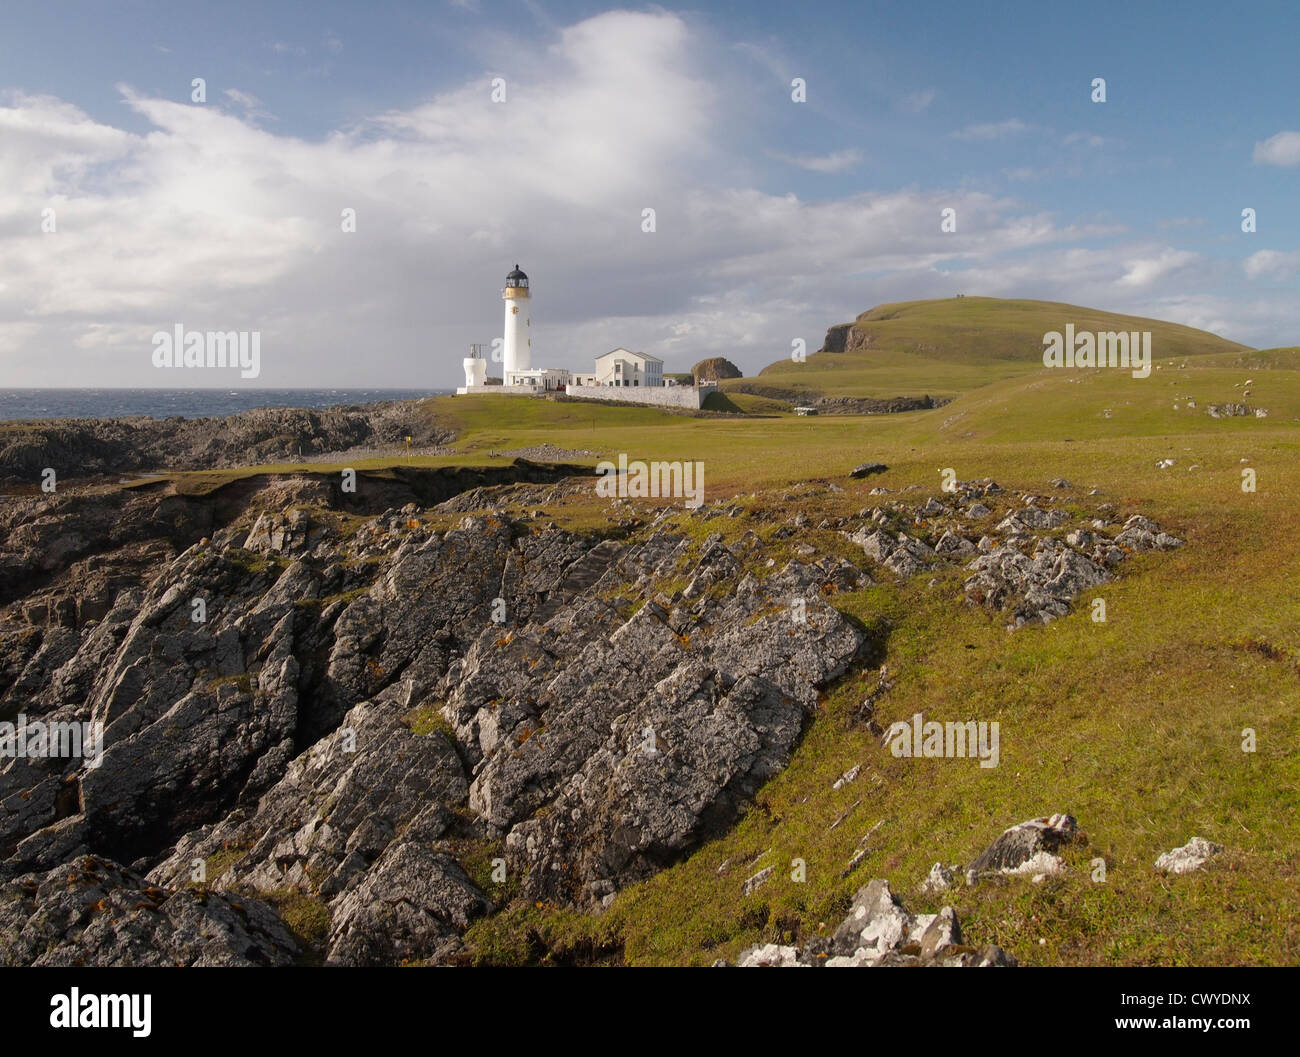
1191 856
1020 844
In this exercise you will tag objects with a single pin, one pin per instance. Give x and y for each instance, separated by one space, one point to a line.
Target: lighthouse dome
517 278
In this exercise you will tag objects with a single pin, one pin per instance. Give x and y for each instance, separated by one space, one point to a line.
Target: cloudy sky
773 218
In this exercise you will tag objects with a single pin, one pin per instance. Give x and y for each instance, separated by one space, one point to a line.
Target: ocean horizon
67 403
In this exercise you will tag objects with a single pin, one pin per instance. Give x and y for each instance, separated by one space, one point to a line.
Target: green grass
307 917
1134 726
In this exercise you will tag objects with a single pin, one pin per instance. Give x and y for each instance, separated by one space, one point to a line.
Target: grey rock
92 912
1191 856
1021 842
940 879
757 880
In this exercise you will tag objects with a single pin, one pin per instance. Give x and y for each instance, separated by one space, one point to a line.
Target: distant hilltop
972 329
938 349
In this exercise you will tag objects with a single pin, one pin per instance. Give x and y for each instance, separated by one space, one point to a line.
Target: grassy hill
943 348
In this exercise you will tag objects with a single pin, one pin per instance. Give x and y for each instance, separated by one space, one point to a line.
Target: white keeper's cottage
622 368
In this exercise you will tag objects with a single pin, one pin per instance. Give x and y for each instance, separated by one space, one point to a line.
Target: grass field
1135 726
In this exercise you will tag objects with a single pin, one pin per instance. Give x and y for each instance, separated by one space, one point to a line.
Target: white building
623 368
543 379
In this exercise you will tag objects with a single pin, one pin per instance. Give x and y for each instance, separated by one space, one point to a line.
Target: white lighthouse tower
517 352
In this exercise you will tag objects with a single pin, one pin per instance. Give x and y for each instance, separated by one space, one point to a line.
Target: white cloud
918 101
1143 271
1282 149
1270 264
836 161
249 103
992 131
1021 174
1090 139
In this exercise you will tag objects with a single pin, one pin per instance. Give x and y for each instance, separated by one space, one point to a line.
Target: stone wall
503 390
657 395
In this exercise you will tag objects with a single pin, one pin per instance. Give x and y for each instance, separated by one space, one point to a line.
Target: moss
306 916
426 719
220 861
243 681
250 562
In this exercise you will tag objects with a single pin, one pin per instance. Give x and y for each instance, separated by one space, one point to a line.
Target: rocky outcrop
836 338
715 368
1234 410
94 912
88 447
838 405
1031 565
356 823
846 337
878 931
358 715
645 735
862 405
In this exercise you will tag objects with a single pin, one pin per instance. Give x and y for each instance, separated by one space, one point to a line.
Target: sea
185 403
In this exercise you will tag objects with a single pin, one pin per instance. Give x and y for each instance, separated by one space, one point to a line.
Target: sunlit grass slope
951 346
1134 726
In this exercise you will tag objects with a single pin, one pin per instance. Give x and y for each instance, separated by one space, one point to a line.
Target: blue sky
775 219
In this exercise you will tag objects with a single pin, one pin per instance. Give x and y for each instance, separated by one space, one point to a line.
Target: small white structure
475 365
542 379
517 347
623 368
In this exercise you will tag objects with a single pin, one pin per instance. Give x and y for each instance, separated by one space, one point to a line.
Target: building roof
517 278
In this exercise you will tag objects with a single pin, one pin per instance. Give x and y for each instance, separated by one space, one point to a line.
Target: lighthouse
519 376
516 350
